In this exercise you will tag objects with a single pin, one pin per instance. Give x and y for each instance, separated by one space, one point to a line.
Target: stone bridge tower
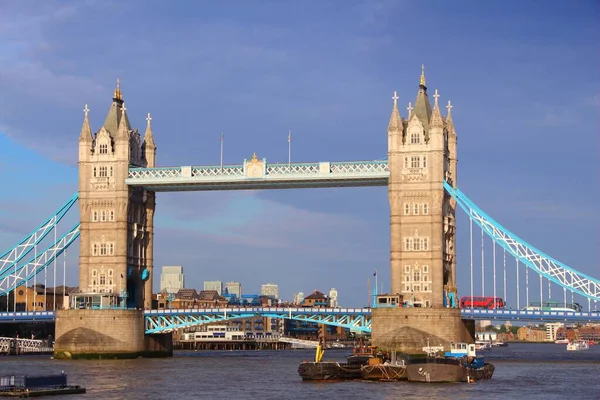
115 254
421 155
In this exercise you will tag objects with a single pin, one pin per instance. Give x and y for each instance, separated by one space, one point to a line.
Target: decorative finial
117 95
422 83
395 98
409 108
148 118
86 110
254 158
436 95
449 106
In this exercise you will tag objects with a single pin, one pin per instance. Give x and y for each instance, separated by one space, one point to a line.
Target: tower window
407 288
95 216
416 208
417 276
103 216
112 215
405 162
407 269
102 279
111 171
94 249
415 162
425 208
95 172
425 244
424 161
406 209
415 138
416 244
103 149
425 269
103 172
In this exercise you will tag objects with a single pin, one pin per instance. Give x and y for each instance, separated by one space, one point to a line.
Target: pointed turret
437 121
149 147
449 122
86 129
395 120
422 106
123 128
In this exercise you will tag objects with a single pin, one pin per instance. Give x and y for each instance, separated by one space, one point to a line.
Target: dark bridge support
107 334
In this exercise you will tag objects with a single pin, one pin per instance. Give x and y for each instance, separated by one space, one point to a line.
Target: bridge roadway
359 319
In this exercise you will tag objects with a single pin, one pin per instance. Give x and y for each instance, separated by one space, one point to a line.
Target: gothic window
102 172
416 288
425 269
416 208
111 249
416 244
112 215
110 272
103 149
103 250
110 282
407 269
407 288
94 282
407 277
424 161
416 275
408 244
425 288
103 216
405 162
425 244
415 138
94 249
425 208
111 171
94 272
95 216
415 162
102 279
94 172
406 209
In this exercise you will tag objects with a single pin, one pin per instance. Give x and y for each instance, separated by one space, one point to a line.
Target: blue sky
523 78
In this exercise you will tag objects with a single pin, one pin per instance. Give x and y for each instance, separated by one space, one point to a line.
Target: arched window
406 209
424 161
102 279
94 272
425 208
416 208
425 243
95 216
112 215
94 249
94 172
103 149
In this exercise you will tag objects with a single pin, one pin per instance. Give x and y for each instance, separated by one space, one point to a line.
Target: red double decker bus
488 302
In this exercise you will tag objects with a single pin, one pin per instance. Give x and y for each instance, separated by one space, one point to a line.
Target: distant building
214 285
270 289
316 299
333 298
234 288
171 279
299 298
551 329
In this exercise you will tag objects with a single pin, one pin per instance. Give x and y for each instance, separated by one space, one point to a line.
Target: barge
25 386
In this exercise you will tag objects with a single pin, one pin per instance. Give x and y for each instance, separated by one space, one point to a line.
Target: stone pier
107 334
409 329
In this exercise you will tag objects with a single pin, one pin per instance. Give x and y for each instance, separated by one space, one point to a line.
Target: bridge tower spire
115 256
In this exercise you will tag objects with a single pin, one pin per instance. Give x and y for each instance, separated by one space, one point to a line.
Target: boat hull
383 372
446 370
328 371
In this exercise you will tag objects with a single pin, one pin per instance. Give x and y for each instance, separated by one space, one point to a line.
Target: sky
522 76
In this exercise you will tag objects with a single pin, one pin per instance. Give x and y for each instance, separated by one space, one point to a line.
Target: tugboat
320 370
459 365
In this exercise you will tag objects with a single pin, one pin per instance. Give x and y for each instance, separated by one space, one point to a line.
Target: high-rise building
333 298
214 285
171 279
299 298
234 288
270 289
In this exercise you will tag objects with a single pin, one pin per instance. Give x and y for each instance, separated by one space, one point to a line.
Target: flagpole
222 139
289 147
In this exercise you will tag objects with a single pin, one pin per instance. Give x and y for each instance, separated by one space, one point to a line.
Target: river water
523 371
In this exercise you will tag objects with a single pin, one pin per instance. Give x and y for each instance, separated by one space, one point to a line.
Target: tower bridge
118 182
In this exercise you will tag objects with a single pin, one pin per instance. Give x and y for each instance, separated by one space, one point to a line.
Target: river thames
523 371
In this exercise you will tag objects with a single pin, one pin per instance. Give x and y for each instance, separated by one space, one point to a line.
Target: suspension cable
494 267
541 296
518 305
482 267
64 277
505 276
471 245
527 285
